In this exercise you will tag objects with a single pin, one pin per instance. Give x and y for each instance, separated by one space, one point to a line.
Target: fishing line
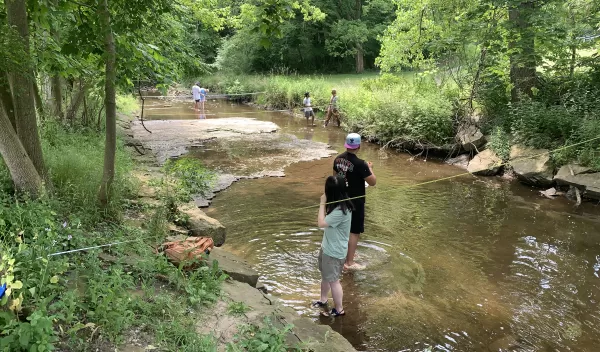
343 200
416 184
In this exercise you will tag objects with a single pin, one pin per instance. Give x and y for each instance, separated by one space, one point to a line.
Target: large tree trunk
23 173
6 98
522 47
110 103
57 98
22 86
360 60
76 102
39 104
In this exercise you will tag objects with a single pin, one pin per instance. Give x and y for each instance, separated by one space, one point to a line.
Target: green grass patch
408 109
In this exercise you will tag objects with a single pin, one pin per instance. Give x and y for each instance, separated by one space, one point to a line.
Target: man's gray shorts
330 268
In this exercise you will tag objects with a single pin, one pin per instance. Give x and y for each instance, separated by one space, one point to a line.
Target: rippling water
467 264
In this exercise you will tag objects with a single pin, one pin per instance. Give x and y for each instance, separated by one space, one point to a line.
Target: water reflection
467 264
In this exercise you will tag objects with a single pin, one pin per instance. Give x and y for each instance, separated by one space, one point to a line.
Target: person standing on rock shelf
308 110
332 109
356 172
199 95
335 216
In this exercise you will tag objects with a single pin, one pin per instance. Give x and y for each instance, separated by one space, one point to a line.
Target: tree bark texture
22 89
76 102
522 46
21 168
110 56
360 59
39 104
6 98
57 96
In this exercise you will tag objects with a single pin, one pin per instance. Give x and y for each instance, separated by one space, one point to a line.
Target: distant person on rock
332 109
355 172
308 110
335 216
199 95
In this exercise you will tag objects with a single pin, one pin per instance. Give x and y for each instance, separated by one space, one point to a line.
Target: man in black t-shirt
356 172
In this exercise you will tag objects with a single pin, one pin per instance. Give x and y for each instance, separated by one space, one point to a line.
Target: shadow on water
469 264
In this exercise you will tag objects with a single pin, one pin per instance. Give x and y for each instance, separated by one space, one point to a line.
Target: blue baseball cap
352 141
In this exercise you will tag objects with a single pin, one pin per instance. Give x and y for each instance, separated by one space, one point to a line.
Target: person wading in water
308 110
335 216
355 172
332 110
199 95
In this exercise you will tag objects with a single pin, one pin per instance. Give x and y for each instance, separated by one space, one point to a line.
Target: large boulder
202 225
486 163
234 266
580 177
470 138
532 166
461 161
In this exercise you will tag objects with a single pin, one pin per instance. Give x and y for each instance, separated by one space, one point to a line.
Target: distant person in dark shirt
356 172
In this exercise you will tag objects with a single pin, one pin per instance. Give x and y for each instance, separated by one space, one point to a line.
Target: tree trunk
76 102
39 105
110 103
360 61
57 97
21 84
6 98
23 173
573 61
522 47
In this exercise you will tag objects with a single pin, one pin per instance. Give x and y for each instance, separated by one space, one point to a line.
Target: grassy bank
402 109
413 112
99 299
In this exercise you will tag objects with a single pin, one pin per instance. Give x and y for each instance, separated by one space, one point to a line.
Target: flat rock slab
235 267
532 166
588 182
305 333
172 138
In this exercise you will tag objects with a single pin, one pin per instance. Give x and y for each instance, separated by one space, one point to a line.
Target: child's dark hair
335 191
306 95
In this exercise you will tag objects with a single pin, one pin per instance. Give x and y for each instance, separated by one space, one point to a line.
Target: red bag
190 249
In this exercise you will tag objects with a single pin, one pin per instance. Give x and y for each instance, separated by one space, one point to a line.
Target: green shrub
238 308
500 143
256 338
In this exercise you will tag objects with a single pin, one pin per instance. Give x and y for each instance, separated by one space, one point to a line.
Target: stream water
468 264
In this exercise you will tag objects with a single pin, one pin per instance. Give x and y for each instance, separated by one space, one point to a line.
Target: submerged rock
470 138
532 166
582 178
202 225
505 343
486 163
461 161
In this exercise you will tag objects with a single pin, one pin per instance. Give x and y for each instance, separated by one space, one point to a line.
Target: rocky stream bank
533 167
174 138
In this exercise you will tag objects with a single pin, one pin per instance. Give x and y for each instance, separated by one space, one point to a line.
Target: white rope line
88 248
190 96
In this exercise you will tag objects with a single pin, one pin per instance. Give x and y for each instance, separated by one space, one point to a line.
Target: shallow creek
468 264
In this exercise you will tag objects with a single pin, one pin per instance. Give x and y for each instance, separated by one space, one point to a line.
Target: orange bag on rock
187 250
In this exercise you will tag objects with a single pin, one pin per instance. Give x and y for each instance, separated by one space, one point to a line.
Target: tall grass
75 162
408 110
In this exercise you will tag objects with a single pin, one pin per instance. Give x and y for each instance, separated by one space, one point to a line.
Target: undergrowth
100 298
408 110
